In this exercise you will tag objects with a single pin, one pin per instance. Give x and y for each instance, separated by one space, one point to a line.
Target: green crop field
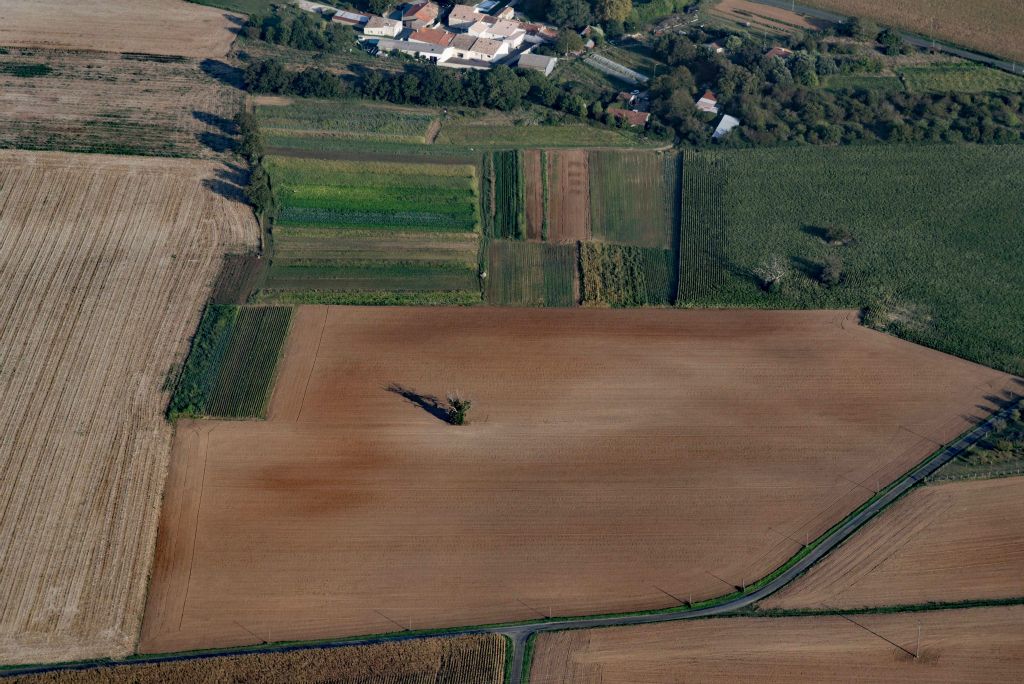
626 275
936 247
530 274
862 82
634 197
336 122
701 226
369 245
960 78
509 195
486 134
247 368
380 274
198 376
363 194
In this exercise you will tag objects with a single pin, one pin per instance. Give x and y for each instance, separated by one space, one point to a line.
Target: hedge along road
914 39
521 632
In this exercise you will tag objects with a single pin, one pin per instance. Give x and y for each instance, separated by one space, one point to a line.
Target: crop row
509 195
199 374
352 118
701 227
634 197
247 370
625 275
530 274
371 275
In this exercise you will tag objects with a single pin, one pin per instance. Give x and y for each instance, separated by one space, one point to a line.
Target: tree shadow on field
238 22
221 123
223 72
806 267
230 182
427 402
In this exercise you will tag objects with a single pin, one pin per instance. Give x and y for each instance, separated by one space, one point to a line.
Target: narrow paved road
520 633
912 38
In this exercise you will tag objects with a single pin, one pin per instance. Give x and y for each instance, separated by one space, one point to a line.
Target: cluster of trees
579 13
270 76
779 100
258 191
298 29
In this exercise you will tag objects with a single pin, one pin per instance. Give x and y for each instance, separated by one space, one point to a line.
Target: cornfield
247 370
701 226
509 199
634 197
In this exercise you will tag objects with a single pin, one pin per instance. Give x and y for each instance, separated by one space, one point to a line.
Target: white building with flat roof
382 27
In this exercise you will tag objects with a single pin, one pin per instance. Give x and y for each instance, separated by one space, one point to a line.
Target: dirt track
975 645
723 439
105 263
950 542
160 27
569 196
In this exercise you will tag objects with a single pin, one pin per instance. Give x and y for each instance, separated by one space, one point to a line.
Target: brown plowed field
159 27
993 26
477 659
613 455
951 542
534 194
568 195
105 263
982 645
104 102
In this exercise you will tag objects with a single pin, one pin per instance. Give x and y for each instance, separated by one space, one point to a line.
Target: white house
435 53
725 125
541 63
379 26
463 16
708 102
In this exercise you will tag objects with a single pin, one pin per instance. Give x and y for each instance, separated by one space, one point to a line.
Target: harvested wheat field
105 263
981 645
993 26
950 542
116 104
766 17
569 195
612 456
477 659
158 27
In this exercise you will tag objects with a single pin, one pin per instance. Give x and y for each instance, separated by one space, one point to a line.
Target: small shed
724 126
708 102
630 116
541 63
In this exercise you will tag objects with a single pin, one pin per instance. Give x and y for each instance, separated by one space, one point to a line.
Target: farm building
708 102
541 63
379 26
434 53
780 52
724 126
631 117
350 18
420 15
434 36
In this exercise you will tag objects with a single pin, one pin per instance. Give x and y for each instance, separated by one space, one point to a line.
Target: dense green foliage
352 194
371 298
509 195
530 274
780 99
202 366
936 252
701 226
247 368
271 76
299 29
626 275
634 197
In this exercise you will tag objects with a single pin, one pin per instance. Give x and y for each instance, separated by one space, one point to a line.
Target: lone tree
831 271
771 272
458 409
837 235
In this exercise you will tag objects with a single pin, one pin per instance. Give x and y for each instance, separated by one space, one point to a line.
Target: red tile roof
434 36
633 118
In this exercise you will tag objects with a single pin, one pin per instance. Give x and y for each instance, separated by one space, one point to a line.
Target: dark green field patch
371 275
199 374
247 370
530 274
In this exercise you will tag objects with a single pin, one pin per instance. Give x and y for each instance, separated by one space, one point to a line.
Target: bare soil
160 27
103 102
568 195
534 194
949 542
106 262
477 659
612 456
772 18
972 645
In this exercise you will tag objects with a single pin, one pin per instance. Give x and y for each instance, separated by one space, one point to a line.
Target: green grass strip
202 366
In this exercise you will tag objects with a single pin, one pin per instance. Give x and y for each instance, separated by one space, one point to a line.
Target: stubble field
725 439
106 261
993 26
160 27
975 645
950 542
